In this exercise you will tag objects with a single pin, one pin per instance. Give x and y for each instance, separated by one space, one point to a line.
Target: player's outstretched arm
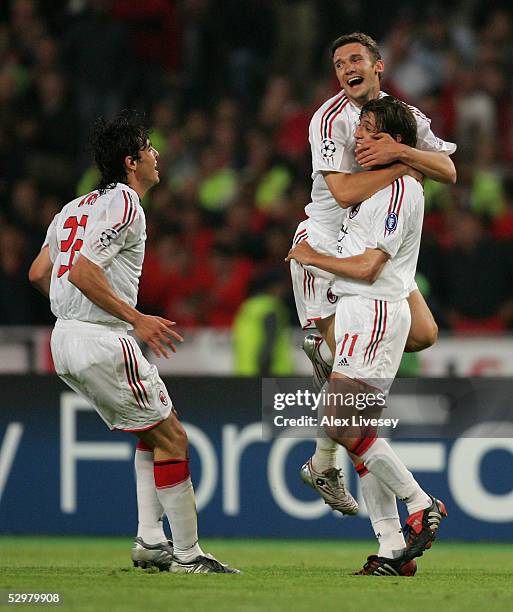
155 331
365 267
382 149
40 272
351 189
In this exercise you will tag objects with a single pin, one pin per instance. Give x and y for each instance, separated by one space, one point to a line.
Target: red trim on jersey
129 213
401 197
335 102
392 196
330 124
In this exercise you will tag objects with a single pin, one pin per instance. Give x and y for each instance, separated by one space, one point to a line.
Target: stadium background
229 88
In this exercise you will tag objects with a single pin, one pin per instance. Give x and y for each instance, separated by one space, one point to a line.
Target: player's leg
321 350
321 471
423 328
381 506
151 546
376 362
176 494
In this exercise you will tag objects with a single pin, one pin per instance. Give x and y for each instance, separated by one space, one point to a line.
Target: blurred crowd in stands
229 87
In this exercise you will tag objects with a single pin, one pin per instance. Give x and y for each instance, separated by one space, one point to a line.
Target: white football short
106 367
312 286
370 336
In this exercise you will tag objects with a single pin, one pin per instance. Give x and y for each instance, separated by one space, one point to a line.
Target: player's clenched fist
302 253
157 333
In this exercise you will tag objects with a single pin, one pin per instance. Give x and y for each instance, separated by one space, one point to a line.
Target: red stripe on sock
362 445
361 469
170 472
142 446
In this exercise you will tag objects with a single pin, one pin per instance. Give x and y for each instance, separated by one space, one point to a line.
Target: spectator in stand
475 279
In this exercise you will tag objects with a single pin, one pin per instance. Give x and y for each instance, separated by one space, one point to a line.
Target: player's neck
137 187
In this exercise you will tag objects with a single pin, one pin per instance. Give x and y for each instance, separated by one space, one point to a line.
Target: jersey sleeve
331 141
107 235
390 218
426 140
51 239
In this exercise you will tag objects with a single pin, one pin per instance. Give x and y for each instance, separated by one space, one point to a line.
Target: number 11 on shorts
354 338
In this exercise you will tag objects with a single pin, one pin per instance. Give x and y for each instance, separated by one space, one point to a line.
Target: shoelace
335 475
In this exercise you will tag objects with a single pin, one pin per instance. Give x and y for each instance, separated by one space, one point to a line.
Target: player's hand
379 150
302 253
157 333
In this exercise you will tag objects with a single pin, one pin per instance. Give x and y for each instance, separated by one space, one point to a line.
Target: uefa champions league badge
107 236
328 148
391 222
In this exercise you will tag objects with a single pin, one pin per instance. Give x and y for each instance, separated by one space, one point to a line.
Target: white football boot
330 486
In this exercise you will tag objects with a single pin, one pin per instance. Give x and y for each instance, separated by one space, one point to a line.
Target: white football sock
381 461
382 509
325 455
176 494
180 507
326 449
149 508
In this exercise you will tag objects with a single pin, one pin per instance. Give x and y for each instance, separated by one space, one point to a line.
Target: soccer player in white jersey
378 248
338 182
90 265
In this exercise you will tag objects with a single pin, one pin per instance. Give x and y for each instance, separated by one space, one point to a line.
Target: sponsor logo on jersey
391 222
354 211
332 298
343 362
328 148
107 237
162 397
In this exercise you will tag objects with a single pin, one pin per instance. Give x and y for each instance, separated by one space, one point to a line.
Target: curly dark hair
112 141
393 117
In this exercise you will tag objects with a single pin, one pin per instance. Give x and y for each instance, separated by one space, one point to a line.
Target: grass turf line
94 574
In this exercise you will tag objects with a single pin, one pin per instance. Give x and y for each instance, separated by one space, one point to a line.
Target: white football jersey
110 230
390 220
333 144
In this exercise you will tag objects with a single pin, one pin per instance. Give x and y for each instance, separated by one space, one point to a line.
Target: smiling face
357 72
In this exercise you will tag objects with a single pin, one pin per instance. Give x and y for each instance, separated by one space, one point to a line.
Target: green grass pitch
283 575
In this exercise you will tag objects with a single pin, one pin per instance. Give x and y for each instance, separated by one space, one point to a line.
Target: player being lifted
374 270
337 184
90 265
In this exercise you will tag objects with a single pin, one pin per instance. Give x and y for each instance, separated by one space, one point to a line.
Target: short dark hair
360 38
393 117
112 141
